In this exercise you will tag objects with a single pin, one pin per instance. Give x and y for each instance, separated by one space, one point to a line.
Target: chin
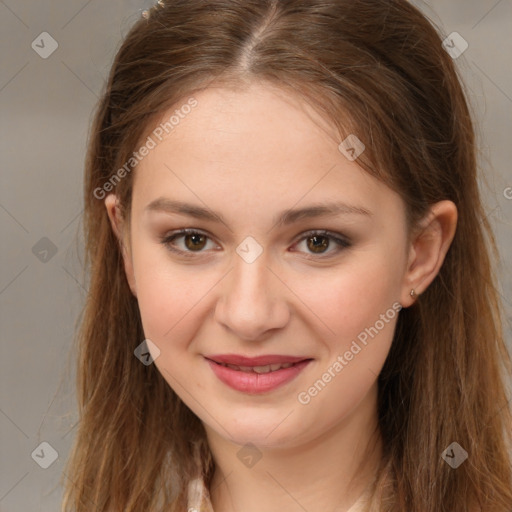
268 433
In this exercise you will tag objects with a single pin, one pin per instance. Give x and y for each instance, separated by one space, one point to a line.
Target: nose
252 302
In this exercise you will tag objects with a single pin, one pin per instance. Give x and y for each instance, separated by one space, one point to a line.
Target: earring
413 293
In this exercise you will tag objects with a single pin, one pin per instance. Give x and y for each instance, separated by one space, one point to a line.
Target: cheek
352 297
169 304
358 308
360 312
166 295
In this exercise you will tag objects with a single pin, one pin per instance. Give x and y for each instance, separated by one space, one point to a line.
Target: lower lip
252 382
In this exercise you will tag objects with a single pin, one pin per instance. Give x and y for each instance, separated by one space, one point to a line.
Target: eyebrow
285 217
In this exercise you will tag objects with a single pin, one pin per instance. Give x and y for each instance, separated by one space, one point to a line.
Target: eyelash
340 241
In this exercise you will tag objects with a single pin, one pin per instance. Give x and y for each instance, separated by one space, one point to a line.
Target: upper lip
254 361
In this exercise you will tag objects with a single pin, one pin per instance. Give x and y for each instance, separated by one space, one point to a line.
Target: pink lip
254 361
254 383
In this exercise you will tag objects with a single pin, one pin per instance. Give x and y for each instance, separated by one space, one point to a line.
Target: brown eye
186 242
318 243
195 241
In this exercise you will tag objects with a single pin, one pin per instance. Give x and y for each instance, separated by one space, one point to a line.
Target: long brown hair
375 68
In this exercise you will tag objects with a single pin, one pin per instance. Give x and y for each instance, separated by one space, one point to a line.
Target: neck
329 472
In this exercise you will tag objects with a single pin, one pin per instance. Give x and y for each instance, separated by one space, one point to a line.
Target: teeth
243 368
259 369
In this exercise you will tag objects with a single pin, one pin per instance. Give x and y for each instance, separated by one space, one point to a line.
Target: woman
292 305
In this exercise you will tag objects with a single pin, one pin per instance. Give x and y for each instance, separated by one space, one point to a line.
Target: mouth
259 369
254 377
259 364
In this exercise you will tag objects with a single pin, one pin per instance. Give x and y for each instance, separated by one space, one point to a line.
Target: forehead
255 123
252 146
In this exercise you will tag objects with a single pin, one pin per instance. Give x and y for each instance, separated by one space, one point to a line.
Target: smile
259 369
257 378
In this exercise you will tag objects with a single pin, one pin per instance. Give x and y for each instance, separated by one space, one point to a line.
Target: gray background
46 107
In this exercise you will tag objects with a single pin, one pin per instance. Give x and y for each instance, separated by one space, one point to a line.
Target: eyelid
340 240
168 238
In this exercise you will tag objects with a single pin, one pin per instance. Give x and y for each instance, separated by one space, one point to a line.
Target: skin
248 154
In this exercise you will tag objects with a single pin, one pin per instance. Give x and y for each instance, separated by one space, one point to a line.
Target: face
265 274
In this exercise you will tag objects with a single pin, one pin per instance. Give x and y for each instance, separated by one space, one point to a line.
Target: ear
430 243
118 227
